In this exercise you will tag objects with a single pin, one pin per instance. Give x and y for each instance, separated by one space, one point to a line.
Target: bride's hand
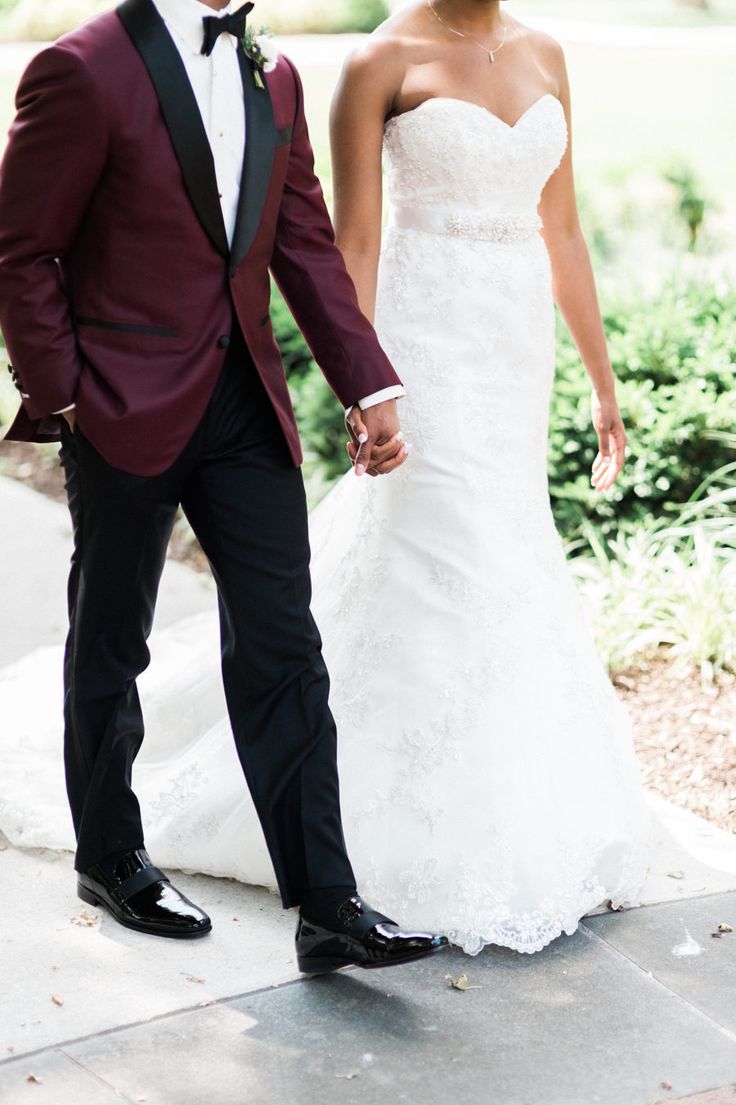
377 446
611 442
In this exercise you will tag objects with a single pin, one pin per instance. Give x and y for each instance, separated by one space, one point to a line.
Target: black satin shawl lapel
260 143
180 112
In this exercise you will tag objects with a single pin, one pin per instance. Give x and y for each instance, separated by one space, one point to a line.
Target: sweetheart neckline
478 107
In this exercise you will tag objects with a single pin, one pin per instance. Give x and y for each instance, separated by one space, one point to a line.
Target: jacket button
224 341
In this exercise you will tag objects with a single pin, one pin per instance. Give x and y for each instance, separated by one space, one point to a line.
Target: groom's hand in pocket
377 444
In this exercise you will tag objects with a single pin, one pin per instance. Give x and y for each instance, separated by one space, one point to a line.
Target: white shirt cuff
396 391
65 409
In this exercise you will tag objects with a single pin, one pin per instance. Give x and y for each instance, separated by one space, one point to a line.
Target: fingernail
362 438
359 469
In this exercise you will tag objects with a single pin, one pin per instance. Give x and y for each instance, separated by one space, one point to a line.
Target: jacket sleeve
310 271
55 155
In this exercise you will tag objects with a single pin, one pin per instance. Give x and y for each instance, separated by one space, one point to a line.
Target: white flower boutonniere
263 52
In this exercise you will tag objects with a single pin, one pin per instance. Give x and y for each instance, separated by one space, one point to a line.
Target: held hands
611 442
376 443
71 418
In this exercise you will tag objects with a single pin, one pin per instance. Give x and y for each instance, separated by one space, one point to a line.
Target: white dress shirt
218 89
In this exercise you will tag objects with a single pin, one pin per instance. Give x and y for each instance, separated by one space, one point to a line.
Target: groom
153 176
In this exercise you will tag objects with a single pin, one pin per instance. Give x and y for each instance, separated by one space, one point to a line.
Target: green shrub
675 359
690 203
321 16
671 587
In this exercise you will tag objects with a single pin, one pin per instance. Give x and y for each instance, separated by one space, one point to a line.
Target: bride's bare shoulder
392 46
546 48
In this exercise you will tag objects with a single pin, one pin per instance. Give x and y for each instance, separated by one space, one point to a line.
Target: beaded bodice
457 155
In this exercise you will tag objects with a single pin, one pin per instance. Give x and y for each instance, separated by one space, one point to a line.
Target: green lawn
653 13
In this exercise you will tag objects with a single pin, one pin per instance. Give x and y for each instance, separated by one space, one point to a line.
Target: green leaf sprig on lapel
260 48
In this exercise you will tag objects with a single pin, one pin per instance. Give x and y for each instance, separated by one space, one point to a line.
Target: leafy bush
690 203
675 359
669 586
321 16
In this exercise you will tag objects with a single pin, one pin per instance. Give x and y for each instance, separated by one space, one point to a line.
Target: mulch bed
685 734
685 730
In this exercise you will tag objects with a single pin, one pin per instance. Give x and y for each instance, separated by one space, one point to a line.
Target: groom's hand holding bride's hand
377 444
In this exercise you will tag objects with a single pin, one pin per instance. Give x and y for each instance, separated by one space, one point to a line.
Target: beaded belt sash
454 224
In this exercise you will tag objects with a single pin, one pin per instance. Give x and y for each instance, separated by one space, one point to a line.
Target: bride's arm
576 296
362 102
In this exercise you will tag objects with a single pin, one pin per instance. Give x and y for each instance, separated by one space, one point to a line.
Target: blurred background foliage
45 19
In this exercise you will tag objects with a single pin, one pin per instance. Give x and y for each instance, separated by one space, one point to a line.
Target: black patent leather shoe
141 897
361 937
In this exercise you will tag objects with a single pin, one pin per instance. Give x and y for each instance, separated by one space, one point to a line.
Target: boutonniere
263 52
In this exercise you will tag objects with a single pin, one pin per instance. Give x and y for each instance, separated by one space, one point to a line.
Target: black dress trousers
245 501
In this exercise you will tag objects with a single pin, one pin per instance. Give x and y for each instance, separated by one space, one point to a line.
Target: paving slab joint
95 1077
654 980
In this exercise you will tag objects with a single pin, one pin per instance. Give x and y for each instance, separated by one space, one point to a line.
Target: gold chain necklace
461 34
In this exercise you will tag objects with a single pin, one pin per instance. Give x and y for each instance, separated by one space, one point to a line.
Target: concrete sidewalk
636 1007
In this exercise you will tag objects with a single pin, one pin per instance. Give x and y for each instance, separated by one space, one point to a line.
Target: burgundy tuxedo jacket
117 285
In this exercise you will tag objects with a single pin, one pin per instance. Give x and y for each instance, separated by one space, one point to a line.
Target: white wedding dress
489 784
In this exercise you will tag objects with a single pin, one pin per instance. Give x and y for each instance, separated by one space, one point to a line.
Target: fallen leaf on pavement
675 874
461 983
666 1085
57 1000
724 928
32 1078
85 919
193 978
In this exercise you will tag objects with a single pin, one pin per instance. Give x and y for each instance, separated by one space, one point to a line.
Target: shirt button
224 341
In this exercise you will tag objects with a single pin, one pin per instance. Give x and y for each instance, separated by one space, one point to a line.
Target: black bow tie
215 25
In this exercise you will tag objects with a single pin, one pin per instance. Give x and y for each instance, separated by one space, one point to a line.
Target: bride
501 800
